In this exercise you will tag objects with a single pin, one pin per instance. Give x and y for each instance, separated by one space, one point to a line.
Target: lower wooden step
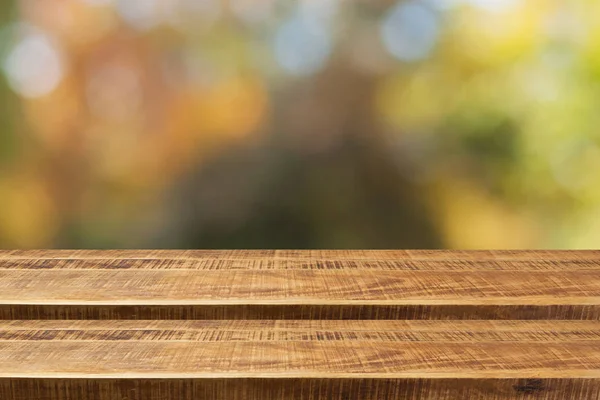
299 389
299 359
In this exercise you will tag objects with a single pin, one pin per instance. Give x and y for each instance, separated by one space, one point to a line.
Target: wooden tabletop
274 283
310 325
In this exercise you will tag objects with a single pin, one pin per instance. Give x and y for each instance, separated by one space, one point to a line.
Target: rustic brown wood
299 389
335 255
300 349
268 360
278 264
423 325
129 287
305 331
290 284
344 312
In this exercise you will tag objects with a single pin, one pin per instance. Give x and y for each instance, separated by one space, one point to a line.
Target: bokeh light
410 31
142 14
34 66
314 123
302 45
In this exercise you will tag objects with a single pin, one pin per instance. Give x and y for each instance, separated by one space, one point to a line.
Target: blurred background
300 124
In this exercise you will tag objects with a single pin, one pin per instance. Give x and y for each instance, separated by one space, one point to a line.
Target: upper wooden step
265 256
300 284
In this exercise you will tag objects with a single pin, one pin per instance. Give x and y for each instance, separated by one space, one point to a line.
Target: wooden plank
315 330
299 389
433 356
374 255
285 284
297 359
300 349
275 264
129 287
298 311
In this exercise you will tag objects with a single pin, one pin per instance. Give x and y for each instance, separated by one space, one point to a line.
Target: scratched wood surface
306 360
311 360
300 349
299 389
282 324
286 284
334 255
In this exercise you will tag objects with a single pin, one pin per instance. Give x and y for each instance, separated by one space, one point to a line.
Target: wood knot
529 386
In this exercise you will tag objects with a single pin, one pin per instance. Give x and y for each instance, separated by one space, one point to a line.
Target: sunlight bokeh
300 124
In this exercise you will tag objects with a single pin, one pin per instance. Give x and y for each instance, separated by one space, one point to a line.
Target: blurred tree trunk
323 179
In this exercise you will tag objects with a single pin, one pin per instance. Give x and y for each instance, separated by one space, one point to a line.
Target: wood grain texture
290 284
335 255
300 349
289 330
277 264
304 312
283 324
299 389
129 287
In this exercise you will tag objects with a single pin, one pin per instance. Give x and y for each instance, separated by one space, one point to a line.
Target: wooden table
299 325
